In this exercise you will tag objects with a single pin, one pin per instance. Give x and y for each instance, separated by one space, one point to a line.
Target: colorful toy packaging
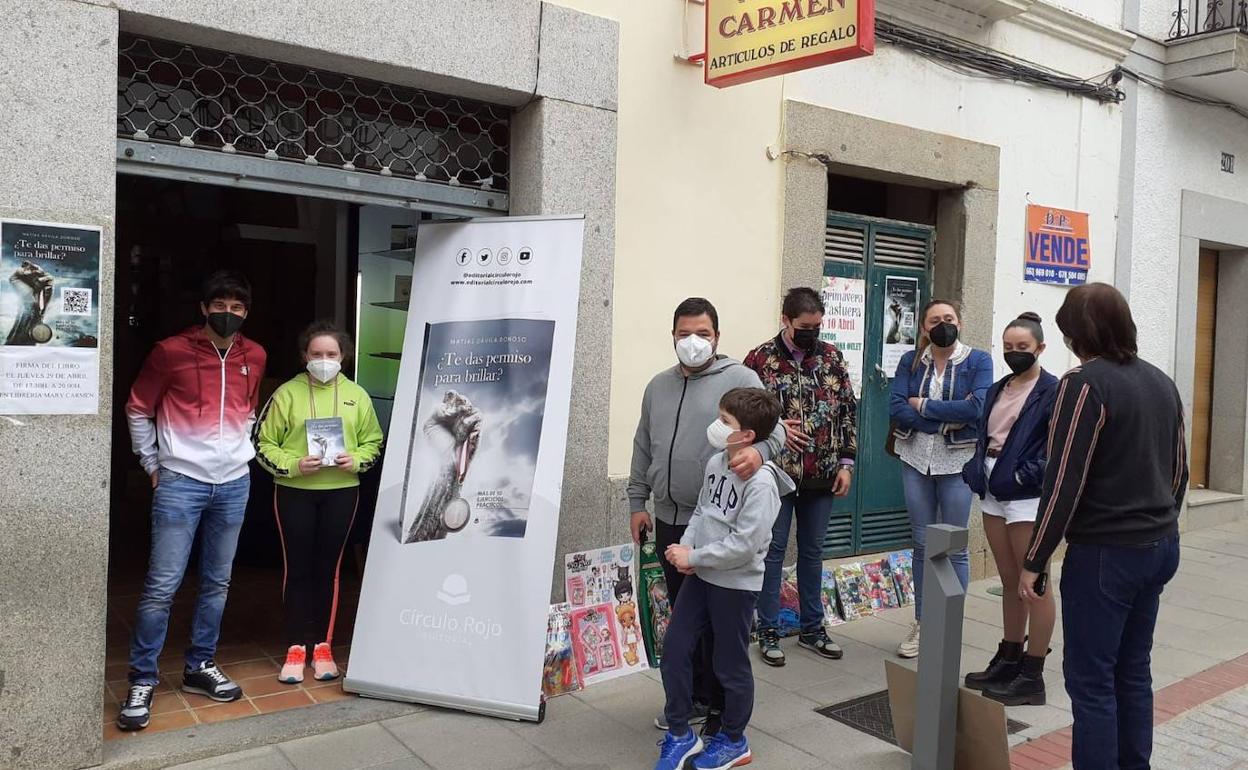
656 606
559 674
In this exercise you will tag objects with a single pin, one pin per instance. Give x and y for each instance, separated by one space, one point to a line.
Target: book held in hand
326 439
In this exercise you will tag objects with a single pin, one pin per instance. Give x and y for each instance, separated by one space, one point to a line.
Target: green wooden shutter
845 255
873 517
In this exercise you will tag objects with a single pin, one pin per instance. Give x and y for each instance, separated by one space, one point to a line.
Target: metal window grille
1196 17
197 97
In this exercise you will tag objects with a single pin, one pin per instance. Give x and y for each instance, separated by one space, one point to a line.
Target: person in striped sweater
1113 487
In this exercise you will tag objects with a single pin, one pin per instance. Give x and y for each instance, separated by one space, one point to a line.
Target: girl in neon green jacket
316 435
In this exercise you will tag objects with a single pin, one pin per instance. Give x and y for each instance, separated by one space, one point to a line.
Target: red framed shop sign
749 40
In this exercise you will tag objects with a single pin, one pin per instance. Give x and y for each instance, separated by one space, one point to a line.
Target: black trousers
729 613
314 525
706 688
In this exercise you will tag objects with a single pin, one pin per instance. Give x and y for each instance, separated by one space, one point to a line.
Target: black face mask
225 324
806 339
943 335
1019 361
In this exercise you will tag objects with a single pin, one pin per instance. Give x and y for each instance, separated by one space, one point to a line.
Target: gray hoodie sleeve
638 484
770 447
751 532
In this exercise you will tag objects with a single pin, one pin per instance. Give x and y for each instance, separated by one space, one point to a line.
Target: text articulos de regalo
770 50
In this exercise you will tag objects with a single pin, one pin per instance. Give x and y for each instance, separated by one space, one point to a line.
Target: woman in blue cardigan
1007 472
937 395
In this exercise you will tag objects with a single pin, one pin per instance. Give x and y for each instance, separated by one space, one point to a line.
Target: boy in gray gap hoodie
721 556
670 452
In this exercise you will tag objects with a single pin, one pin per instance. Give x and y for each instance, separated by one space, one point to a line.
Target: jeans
728 613
812 510
935 500
706 688
1110 598
182 508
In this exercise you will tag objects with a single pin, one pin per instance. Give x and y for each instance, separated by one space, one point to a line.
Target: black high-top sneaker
210 681
136 712
1026 689
1001 669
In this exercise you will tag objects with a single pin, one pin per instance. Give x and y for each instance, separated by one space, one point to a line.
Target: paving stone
843 747
769 751
839 690
345 749
1208 603
776 709
802 667
568 739
448 740
633 701
1198 620
267 758
410 763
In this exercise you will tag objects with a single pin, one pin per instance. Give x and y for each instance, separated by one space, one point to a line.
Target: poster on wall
49 318
845 322
1058 249
601 588
901 324
454 605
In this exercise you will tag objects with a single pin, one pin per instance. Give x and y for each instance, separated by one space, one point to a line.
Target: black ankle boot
1001 669
1026 689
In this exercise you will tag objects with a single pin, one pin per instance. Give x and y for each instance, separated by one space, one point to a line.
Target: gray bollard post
940 652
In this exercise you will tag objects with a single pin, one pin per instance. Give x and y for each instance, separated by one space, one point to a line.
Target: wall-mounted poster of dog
477 429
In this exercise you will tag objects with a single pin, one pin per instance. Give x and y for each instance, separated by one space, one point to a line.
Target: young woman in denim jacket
1007 473
937 395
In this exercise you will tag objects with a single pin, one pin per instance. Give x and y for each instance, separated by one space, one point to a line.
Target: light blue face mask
718 433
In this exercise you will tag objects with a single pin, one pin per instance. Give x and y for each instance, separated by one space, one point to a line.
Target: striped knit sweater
1117 470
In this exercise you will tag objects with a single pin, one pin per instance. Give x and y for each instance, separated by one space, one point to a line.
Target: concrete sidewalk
1203 625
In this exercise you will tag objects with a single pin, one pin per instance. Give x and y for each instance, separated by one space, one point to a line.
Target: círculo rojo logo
454 593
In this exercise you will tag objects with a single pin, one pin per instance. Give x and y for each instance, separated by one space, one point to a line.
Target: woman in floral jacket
820 414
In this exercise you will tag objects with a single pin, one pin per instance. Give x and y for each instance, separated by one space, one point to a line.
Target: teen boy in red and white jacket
190 412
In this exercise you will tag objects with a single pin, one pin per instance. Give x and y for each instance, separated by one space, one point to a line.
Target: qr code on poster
76 301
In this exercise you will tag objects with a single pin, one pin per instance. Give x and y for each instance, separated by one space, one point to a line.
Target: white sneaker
909 647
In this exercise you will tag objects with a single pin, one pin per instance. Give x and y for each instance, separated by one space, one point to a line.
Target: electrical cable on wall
968 59
1161 86
537 74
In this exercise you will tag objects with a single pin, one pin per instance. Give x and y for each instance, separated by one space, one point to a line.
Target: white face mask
718 433
324 369
694 351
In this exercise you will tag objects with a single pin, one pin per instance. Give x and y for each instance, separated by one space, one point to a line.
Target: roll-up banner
456 589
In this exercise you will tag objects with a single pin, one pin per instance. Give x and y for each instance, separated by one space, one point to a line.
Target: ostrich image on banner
477 429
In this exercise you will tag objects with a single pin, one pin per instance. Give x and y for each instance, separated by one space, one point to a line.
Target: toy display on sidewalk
607 637
560 674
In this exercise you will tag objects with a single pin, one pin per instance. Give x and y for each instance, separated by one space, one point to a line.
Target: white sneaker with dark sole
136 712
211 682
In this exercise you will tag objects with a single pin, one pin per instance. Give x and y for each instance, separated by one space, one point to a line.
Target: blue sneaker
722 753
673 751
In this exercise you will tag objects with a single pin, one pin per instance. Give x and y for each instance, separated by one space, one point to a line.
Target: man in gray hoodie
721 555
670 452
